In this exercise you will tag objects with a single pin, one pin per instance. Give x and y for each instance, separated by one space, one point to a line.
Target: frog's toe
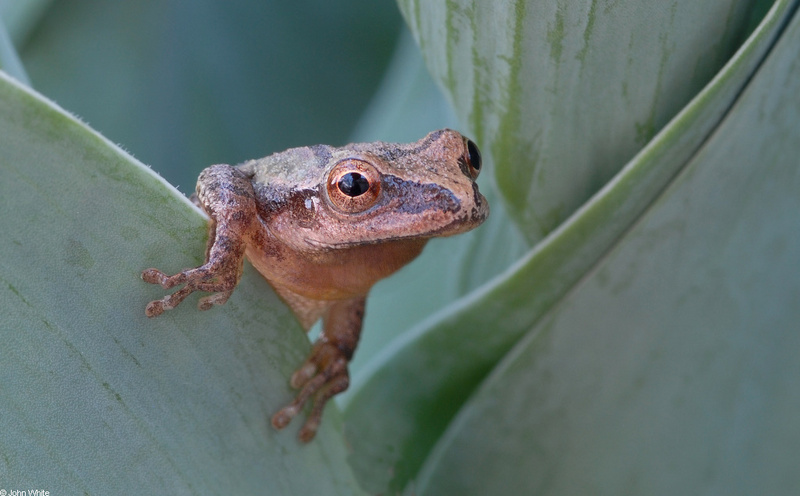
217 277
154 276
322 391
154 308
285 415
325 361
157 307
321 377
209 301
332 387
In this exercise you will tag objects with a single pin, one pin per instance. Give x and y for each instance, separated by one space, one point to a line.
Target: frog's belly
333 275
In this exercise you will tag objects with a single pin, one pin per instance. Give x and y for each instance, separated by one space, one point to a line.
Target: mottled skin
322 225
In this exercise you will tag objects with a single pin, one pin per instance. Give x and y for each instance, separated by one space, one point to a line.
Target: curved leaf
408 106
96 398
672 368
189 84
562 94
9 61
21 16
448 355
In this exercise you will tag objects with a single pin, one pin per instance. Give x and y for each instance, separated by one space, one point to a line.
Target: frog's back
302 167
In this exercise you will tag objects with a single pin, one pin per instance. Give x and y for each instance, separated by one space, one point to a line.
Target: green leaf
95 397
562 94
188 84
9 61
672 367
618 354
446 357
407 106
21 16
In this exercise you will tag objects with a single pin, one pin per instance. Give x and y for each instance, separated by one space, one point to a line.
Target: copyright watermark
24 492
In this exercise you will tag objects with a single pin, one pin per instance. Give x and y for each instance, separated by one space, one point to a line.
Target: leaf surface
671 368
95 397
447 356
562 94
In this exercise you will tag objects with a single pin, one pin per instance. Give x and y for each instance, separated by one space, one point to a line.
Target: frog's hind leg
227 196
324 374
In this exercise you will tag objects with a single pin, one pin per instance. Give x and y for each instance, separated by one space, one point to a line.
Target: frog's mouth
477 215
460 222
467 221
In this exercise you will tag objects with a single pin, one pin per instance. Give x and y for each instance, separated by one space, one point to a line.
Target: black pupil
353 184
474 155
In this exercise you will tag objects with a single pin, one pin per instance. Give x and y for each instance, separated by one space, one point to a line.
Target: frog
322 225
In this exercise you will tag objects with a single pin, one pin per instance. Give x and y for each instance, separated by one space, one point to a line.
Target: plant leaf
188 84
672 368
21 16
95 397
563 94
408 106
449 354
9 61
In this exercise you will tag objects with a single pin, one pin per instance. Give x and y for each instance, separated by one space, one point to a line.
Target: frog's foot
323 375
219 276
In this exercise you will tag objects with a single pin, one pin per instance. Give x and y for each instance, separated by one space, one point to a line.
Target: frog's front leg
324 373
226 194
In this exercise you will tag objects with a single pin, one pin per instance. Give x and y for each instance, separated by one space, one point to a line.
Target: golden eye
353 185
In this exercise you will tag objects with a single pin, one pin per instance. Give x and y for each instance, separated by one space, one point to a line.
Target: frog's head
377 192
368 193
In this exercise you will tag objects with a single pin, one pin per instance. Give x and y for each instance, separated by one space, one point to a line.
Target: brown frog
322 225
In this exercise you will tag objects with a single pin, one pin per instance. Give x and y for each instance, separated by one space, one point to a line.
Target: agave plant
625 323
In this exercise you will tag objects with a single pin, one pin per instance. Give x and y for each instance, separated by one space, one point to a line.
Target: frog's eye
472 158
353 185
